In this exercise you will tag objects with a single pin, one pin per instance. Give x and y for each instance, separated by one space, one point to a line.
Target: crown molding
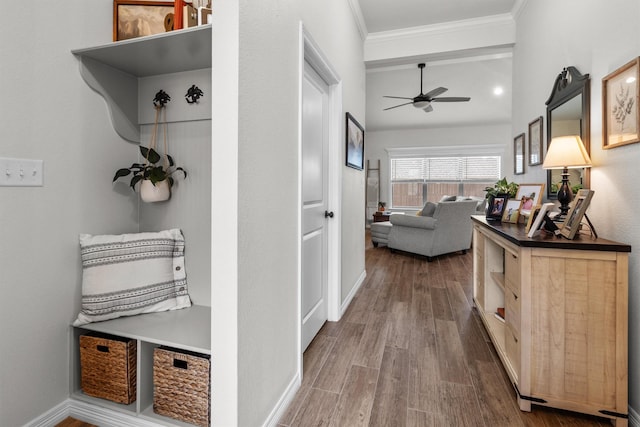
441 28
517 9
356 12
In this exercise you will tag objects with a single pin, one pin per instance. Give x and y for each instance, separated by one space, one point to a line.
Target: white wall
596 38
53 115
48 112
377 144
333 27
268 186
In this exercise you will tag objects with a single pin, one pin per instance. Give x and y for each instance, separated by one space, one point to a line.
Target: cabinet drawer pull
515 296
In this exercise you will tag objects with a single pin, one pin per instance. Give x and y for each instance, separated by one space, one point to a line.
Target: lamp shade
566 152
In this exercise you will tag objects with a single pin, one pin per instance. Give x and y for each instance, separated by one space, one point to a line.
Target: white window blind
425 169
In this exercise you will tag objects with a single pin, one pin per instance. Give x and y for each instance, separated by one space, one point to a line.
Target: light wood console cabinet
563 341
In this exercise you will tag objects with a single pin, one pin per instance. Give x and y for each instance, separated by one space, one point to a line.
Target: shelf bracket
119 90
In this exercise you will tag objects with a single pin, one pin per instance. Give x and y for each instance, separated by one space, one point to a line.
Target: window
417 180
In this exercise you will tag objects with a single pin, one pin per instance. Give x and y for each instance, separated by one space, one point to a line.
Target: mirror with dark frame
568 114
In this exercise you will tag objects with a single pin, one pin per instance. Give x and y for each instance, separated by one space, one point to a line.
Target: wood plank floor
411 351
72 422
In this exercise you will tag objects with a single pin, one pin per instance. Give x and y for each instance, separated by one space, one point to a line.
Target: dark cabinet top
516 234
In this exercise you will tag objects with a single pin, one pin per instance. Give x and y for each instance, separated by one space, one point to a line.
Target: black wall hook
161 99
193 94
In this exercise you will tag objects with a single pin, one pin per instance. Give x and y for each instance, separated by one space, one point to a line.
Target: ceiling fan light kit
423 101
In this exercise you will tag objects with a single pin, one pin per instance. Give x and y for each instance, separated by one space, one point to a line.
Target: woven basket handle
181 364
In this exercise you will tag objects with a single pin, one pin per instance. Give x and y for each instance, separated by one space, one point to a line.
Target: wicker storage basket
108 366
181 385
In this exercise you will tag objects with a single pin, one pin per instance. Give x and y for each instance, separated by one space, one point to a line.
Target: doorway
320 183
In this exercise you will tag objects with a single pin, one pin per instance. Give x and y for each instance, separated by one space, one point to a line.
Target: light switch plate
21 172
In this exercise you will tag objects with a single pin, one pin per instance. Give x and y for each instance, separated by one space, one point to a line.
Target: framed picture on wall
535 142
355 143
138 18
518 154
620 113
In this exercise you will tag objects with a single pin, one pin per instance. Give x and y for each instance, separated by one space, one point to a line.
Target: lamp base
565 195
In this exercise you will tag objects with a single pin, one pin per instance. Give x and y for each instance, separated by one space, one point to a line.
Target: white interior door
315 215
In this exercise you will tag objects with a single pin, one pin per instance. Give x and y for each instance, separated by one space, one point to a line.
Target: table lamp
566 152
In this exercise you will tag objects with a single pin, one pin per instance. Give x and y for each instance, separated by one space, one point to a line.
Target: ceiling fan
424 100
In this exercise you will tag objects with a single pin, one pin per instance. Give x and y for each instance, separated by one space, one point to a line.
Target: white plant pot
154 193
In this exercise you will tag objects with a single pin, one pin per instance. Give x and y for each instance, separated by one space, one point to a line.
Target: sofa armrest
414 221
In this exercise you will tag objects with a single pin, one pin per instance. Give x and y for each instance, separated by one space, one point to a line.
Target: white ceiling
381 15
474 73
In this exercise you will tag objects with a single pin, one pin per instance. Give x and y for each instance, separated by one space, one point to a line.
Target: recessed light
631 79
497 91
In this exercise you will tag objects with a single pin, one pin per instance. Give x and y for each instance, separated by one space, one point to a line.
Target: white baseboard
52 417
284 402
92 414
349 298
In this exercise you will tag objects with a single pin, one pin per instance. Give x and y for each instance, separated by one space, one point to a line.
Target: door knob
328 214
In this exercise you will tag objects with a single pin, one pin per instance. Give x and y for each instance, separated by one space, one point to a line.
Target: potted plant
155 179
381 206
502 187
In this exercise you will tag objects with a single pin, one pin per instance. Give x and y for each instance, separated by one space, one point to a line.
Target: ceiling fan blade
396 97
435 92
451 99
396 106
428 109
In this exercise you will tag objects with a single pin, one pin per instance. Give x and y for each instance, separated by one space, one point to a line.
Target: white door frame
311 53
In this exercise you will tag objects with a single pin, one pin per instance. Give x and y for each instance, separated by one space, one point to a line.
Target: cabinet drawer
512 270
512 347
512 308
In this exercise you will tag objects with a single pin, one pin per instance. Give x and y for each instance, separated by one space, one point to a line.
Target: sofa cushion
448 198
414 221
428 209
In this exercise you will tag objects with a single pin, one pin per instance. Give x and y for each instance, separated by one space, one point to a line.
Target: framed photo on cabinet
620 112
518 154
530 195
535 142
511 211
571 224
496 206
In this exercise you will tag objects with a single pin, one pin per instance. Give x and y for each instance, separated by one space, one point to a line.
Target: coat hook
193 94
161 99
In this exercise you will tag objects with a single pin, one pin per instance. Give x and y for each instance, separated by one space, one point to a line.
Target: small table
381 216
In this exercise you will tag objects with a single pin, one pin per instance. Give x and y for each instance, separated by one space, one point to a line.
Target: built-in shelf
172 52
114 69
498 278
186 329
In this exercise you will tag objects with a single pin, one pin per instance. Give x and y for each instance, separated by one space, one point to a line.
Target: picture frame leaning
571 224
496 207
531 195
139 18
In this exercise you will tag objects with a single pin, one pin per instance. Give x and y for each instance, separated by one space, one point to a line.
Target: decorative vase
154 193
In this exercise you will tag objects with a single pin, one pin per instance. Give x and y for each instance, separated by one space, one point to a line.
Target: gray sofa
447 230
